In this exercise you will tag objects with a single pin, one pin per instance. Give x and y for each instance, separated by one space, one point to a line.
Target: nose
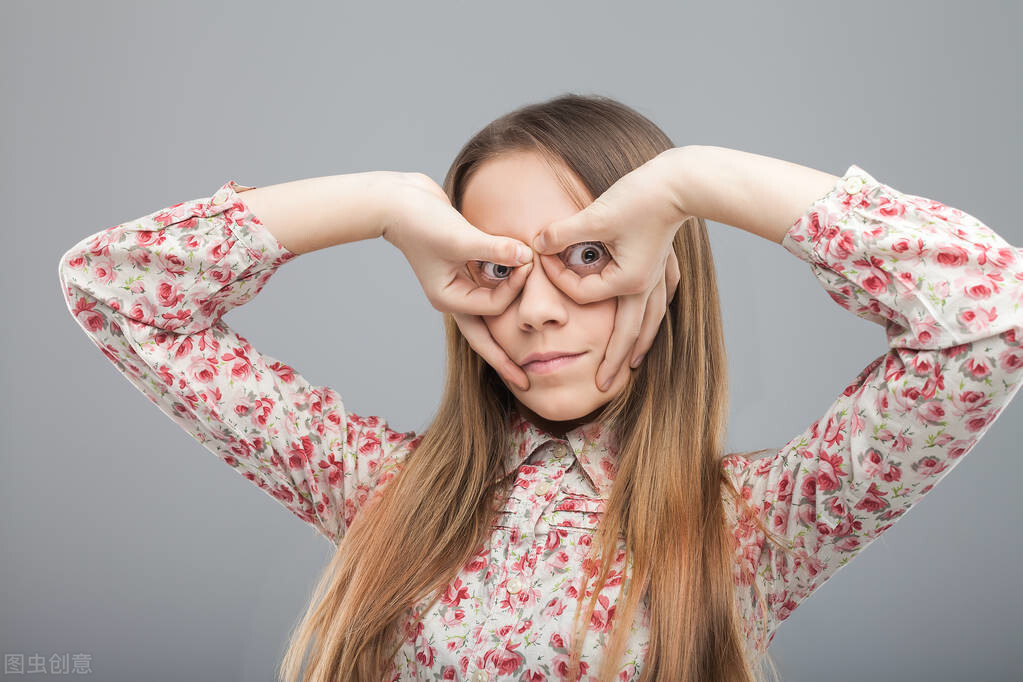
540 302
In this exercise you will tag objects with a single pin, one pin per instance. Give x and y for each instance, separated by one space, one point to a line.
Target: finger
505 292
463 295
499 250
652 319
628 320
586 225
611 281
673 277
476 333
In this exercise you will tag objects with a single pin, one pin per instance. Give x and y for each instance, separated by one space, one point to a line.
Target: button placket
558 455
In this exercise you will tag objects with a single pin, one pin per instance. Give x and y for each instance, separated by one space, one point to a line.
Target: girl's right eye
493 271
487 274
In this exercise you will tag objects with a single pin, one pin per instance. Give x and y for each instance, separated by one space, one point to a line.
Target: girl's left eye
589 255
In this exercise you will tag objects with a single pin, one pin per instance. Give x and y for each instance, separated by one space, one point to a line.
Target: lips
550 355
553 362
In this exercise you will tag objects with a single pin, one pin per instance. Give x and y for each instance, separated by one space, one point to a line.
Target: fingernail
635 363
539 243
606 385
523 254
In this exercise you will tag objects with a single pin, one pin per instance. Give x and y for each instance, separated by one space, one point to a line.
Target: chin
562 405
557 414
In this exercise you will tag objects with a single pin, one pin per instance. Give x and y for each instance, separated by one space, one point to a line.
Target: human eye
492 272
588 256
591 254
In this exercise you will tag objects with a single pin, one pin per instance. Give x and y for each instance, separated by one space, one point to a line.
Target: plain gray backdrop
126 540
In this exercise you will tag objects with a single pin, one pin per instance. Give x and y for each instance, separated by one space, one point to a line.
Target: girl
569 513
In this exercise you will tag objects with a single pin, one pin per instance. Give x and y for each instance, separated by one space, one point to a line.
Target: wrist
677 163
401 197
377 192
756 193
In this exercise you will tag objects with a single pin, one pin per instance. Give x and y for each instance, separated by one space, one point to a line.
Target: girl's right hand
438 243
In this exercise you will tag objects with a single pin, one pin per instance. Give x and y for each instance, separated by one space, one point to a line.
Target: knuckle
509 251
598 212
552 235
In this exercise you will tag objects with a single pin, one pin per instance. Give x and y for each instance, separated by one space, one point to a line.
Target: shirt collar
595 446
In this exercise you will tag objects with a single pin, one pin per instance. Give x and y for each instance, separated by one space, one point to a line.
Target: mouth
551 364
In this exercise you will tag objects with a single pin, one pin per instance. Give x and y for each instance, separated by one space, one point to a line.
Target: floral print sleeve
948 291
151 294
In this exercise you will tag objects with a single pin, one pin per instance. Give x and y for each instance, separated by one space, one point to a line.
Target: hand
636 219
438 243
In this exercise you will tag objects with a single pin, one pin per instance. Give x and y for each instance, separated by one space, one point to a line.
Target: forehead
516 195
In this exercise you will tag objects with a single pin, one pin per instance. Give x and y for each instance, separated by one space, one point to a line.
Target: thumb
505 251
558 235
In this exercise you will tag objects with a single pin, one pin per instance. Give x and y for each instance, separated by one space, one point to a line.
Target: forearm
306 215
759 194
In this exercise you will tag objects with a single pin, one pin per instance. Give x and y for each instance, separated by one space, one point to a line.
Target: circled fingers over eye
582 287
463 295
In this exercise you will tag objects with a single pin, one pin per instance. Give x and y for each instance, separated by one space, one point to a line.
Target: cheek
600 319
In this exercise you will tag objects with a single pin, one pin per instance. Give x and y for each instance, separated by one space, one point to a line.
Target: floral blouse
151 294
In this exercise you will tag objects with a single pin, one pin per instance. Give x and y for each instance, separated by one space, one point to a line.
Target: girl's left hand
636 219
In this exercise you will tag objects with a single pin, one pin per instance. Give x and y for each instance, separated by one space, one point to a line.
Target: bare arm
315 213
759 194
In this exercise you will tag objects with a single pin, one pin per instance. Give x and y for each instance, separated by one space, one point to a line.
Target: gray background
126 540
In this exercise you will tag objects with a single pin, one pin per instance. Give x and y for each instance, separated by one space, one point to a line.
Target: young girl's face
517 195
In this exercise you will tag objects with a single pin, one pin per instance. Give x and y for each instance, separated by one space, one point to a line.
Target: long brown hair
666 499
